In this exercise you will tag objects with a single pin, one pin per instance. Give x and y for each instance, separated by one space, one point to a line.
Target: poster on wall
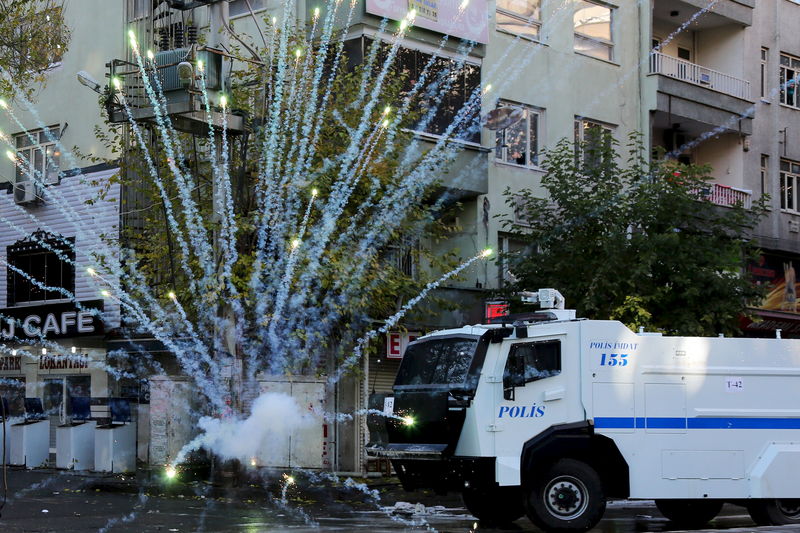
779 275
467 20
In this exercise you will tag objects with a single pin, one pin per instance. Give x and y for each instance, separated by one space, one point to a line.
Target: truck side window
533 361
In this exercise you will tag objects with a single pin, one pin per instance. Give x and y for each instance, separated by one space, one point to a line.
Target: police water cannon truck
549 415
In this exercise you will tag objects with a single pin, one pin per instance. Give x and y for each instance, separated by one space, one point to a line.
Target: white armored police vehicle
552 415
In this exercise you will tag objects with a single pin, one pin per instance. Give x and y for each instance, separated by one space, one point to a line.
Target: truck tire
774 512
568 497
689 513
500 505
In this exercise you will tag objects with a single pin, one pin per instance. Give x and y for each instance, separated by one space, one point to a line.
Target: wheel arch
577 441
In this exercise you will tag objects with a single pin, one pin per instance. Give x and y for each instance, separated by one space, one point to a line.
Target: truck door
532 398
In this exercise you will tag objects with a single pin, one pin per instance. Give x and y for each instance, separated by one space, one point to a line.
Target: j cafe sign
52 321
396 342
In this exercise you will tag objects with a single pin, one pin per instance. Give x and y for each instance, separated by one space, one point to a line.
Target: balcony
726 196
699 98
698 75
721 12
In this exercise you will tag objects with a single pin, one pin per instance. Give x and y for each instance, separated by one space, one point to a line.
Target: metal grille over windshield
437 362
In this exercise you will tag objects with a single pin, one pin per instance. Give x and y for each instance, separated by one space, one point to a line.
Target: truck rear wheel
689 513
499 505
567 498
774 512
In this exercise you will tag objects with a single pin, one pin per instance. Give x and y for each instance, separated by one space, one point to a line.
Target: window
28 258
593 29
764 174
239 7
790 174
12 390
510 250
520 17
461 83
443 361
591 139
764 71
518 144
531 361
37 156
140 9
402 256
789 79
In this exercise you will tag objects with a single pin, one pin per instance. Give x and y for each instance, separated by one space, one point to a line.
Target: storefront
779 312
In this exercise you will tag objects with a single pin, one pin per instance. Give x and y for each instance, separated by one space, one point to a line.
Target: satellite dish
502 118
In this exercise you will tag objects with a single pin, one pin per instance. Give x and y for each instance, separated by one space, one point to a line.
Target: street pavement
58 501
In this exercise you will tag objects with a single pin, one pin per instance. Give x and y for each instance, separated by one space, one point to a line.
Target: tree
33 37
281 233
635 241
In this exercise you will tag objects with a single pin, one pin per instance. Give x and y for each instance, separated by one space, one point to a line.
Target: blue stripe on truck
612 422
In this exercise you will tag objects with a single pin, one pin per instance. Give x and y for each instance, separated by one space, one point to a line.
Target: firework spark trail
197 234
130 517
394 319
170 215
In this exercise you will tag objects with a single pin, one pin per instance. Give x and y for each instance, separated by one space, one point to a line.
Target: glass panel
790 193
13 390
239 7
38 164
53 395
534 135
541 360
38 273
783 190
517 143
764 54
795 63
77 386
517 26
592 20
785 165
445 361
796 168
593 48
785 60
524 8
54 276
23 140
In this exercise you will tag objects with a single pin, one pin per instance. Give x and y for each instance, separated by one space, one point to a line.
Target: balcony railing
698 75
727 196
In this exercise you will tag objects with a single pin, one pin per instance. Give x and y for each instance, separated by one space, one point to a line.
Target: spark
289 480
223 100
171 295
314 192
150 55
387 110
295 244
3 104
253 461
44 351
487 88
117 84
487 252
298 53
170 472
10 155
386 123
92 272
200 65
316 12
408 421
74 349
105 293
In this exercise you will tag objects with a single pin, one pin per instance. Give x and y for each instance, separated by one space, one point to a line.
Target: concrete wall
95 40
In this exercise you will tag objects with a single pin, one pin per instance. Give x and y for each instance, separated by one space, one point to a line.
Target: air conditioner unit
168 76
28 192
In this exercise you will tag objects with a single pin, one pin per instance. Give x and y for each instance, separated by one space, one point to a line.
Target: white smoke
264 435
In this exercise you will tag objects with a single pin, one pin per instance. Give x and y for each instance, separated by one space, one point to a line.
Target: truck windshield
437 362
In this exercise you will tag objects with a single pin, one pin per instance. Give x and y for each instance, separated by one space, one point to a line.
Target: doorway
57 392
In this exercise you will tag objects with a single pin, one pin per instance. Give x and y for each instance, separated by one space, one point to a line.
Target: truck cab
549 415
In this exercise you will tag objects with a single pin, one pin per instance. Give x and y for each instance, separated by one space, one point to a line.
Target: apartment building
720 92
50 236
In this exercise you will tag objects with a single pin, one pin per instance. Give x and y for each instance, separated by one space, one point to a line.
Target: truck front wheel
499 505
689 513
774 512
567 498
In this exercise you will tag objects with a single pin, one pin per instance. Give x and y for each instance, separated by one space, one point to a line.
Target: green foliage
635 241
33 36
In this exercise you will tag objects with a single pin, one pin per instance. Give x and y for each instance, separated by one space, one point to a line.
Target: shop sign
397 341
52 321
63 362
496 310
11 363
467 20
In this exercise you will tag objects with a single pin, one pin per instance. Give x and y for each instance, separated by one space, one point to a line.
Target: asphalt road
51 501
